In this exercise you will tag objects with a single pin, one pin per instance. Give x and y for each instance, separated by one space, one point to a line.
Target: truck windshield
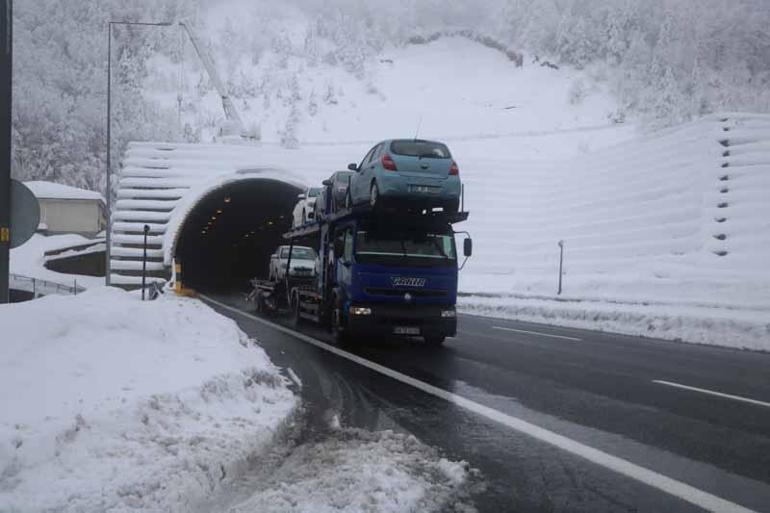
406 249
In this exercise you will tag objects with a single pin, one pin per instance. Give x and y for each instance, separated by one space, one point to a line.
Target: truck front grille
382 291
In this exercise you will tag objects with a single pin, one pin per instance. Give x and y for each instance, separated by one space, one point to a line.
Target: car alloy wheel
374 195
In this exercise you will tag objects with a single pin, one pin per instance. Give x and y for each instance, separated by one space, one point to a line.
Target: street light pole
108 238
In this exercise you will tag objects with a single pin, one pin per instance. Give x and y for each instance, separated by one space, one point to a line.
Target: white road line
536 333
644 475
712 392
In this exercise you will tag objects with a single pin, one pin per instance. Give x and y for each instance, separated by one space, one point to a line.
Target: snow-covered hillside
452 88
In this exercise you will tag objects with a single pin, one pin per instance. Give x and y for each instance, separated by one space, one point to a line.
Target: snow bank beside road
108 403
739 328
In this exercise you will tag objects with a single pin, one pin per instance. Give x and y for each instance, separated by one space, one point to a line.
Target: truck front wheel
339 332
435 340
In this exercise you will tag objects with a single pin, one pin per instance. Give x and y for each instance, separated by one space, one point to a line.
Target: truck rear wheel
296 317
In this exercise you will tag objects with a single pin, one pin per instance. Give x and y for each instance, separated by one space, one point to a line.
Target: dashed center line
537 333
712 392
684 491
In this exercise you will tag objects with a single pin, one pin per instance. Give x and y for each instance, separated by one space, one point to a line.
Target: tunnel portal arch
223 232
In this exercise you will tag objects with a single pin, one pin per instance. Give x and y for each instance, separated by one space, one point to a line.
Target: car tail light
388 163
454 170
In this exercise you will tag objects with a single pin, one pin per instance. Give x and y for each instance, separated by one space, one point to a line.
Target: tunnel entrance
229 235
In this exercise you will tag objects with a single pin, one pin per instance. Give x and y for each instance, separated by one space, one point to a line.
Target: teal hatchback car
413 172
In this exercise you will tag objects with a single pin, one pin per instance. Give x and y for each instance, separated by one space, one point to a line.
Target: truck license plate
406 330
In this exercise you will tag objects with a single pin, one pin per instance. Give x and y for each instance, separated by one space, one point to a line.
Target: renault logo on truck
401 281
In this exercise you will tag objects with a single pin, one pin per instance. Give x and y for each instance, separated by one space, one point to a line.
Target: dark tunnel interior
228 237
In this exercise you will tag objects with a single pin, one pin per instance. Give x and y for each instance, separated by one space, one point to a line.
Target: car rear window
313 192
425 149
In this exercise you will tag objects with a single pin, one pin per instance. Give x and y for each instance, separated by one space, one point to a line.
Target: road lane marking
679 489
712 392
537 333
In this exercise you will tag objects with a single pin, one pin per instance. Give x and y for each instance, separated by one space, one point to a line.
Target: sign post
6 40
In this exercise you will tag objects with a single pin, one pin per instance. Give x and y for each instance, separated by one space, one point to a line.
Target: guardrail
40 287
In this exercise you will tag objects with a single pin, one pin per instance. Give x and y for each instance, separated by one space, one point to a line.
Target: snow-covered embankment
108 402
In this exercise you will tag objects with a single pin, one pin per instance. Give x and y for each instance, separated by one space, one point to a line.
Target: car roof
412 139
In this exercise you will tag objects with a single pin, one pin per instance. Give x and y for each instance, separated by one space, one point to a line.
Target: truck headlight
448 314
360 310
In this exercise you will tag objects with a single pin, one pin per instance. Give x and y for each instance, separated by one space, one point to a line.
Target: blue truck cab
396 279
381 272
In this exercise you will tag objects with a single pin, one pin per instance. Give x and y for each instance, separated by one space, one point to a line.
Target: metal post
75 289
144 259
6 54
108 237
561 264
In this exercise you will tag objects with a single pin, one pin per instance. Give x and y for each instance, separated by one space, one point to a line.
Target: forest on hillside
666 61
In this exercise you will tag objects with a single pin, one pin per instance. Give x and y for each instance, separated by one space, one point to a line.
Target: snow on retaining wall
677 215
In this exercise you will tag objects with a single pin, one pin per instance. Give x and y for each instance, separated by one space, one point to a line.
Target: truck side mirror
353 167
326 183
468 247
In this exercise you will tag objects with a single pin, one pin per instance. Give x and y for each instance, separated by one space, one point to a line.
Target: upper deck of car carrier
426 219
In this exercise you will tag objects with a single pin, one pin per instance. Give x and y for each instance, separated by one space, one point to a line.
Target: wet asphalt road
594 388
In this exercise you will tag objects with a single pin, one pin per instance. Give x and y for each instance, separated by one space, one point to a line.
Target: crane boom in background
234 125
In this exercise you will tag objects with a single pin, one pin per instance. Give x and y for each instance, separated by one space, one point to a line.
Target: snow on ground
29 260
108 403
352 470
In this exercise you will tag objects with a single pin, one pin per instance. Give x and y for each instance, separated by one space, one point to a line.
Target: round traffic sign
25 213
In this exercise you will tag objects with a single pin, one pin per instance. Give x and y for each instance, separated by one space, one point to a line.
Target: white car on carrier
304 210
303 263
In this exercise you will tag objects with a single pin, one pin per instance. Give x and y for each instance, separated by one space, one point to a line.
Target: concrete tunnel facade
209 209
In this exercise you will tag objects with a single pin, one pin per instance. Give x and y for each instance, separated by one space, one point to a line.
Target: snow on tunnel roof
52 190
